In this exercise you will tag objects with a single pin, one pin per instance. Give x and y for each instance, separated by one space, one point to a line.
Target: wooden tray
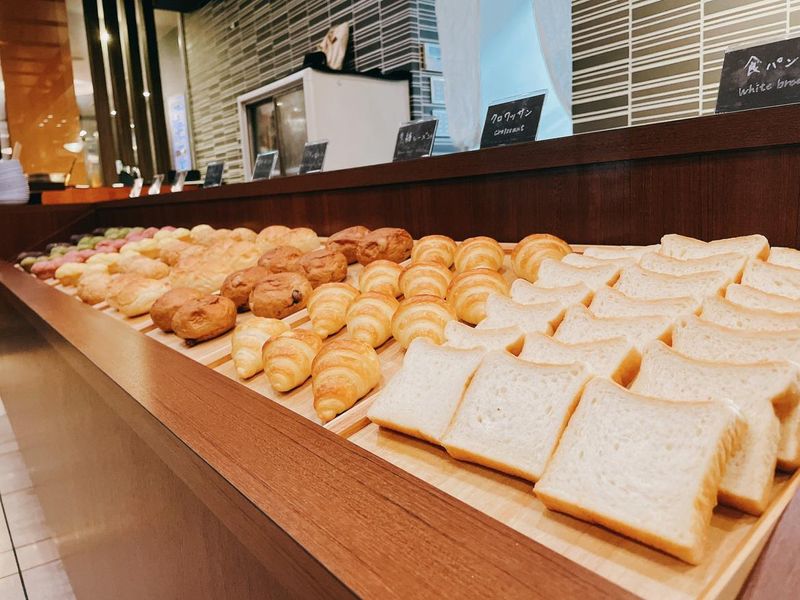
735 539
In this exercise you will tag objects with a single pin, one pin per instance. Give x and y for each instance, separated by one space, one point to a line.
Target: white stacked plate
13 184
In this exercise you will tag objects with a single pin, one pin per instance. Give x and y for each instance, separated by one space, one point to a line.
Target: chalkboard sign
214 174
180 180
155 186
415 139
313 157
512 122
759 76
265 165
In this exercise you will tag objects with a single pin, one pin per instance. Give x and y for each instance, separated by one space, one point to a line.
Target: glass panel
292 131
261 117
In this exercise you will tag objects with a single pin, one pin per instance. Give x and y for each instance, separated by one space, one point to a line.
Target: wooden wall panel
30 227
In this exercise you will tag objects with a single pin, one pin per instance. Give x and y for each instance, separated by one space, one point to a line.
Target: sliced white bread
726 313
646 467
422 397
786 257
613 252
615 358
513 414
524 292
610 302
554 273
708 341
756 389
502 311
744 295
773 279
731 264
637 282
580 325
679 246
459 335
582 260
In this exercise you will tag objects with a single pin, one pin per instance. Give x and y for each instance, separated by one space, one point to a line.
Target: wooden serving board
735 539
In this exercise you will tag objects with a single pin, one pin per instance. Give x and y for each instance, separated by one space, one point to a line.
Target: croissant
434 248
167 305
204 318
529 253
288 357
370 318
468 291
346 241
266 238
248 341
381 276
328 305
478 253
425 278
136 297
343 373
421 316
386 243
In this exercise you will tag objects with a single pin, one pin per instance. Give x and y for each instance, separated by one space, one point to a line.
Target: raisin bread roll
425 278
381 276
324 266
167 304
529 253
282 259
434 248
346 241
137 296
421 316
386 243
478 253
343 372
267 238
328 306
204 318
280 295
248 340
287 358
370 318
468 291
238 285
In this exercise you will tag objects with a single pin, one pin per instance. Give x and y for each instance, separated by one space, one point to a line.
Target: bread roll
171 249
168 303
468 291
324 266
202 234
146 267
370 318
529 253
238 285
421 316
205 277
243 234
267 237
478 253
346 241
137 296
381 276
425 278
239 255
69 274
280 295
328 306
248 341
204 318
282 259
434 248
343 372
386 243
302 238
288 357
93 287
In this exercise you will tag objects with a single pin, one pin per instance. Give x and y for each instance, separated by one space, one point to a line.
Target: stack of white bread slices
637 387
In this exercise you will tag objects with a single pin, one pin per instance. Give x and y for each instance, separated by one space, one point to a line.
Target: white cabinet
357 114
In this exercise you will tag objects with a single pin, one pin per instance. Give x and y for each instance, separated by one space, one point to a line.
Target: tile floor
30 567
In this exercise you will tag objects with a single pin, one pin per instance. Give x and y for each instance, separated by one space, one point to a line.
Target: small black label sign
265 164
415 139
512 122
765 75
313 157
214 174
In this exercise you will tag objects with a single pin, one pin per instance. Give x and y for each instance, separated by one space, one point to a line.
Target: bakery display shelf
735 539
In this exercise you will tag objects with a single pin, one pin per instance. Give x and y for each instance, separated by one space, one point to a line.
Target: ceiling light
82 132
113 113
104 36
146 94
49 116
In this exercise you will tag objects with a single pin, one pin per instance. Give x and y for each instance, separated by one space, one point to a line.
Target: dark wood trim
156 100
119 89
101 104
379 530
32 227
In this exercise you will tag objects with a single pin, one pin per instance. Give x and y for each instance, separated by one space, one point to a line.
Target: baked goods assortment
624 382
